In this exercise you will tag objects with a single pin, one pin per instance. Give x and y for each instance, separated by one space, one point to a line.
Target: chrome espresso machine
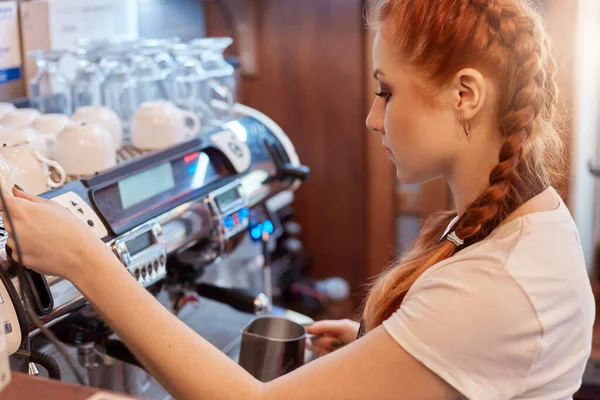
193 224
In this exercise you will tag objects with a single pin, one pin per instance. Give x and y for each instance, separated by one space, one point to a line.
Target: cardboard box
11 80
58 24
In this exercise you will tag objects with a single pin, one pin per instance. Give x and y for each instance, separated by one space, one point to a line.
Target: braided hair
506 40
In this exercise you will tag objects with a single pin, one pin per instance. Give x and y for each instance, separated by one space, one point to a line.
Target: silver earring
466 125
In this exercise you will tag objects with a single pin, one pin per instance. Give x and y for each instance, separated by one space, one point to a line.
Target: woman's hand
51 239
331 335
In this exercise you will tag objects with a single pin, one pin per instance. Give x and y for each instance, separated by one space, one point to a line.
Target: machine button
143 272
7 328
236 149
162 260
90 222
156 265
149 269
75 204
137 274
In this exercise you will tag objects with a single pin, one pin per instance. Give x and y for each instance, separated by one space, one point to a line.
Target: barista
492 301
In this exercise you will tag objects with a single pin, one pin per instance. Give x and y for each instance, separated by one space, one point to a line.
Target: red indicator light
191 157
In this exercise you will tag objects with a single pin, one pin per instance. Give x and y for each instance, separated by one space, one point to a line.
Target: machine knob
262 305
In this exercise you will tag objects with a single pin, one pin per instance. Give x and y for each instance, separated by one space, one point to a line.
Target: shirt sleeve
472 325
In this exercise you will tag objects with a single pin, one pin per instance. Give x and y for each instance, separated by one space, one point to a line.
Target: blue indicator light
269 228
192 169
256 233
229 222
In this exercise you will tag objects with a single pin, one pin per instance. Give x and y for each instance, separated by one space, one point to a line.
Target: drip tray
215 322
219 324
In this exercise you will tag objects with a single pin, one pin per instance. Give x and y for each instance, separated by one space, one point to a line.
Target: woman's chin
405 177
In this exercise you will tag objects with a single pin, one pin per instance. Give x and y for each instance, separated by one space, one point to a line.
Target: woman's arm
191 368
186 364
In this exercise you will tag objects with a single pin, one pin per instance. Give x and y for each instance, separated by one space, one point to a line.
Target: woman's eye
385 95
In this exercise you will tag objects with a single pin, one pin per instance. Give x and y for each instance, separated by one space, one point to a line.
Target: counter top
24 387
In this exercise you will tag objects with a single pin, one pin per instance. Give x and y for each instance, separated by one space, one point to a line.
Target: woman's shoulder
545 241
540 255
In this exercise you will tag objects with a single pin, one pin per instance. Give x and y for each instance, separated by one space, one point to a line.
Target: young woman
492 302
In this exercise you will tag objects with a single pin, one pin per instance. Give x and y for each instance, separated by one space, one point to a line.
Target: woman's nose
375 119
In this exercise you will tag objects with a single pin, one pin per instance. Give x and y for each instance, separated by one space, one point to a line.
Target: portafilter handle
286 170
244 300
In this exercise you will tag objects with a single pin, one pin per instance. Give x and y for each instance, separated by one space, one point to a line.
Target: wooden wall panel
311 81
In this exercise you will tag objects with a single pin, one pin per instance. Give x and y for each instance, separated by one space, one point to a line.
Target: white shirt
507 318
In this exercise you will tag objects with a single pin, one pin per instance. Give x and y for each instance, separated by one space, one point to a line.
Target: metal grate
124 155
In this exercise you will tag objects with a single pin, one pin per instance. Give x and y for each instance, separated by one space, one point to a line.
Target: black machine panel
134 193
158 188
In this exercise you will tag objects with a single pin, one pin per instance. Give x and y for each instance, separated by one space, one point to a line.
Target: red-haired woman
493 300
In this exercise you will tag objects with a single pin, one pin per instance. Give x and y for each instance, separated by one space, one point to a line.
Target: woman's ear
469 92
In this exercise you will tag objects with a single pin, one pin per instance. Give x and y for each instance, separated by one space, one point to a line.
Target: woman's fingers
330 327
327 342
26 196
319 351
10 243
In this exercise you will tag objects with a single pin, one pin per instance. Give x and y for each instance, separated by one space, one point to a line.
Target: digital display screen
226 199
146 184
140 243
147 193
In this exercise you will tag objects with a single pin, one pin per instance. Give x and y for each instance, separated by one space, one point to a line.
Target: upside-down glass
187 84
50 90
119 88
151 65
87 84
162 56
221 74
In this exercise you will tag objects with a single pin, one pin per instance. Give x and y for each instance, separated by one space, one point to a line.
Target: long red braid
506 41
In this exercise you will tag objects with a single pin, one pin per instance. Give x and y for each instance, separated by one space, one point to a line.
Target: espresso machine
199 238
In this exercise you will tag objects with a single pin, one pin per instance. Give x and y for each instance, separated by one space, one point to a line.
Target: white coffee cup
6 108
85 149
7 173
103 116
49 126
20 117
32 169
11 136
160 124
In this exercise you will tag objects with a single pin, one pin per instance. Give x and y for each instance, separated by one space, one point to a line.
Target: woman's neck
469 177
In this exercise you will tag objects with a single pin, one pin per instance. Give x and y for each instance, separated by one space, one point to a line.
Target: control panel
232 207
78 207
144 253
